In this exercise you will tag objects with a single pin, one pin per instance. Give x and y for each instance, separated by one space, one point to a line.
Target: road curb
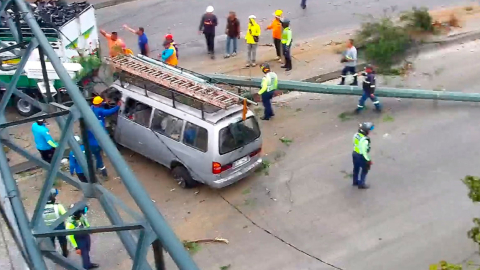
425 47
110 3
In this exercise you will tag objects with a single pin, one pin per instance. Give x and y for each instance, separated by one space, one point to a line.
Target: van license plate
241 161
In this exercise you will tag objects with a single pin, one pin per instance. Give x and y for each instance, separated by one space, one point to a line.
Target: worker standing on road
169 55
233 33
350 60
207 26
116 46
51 213
43 141
368 90
142 39
276 27
360 155
303 4
287 44
81 242
269 85
169 38
252 37
74 165
100 113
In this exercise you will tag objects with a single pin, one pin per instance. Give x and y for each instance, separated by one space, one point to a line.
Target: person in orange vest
276 27
169 55
116 46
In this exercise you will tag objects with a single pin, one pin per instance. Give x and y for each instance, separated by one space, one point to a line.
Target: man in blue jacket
44 142
75 167
100 112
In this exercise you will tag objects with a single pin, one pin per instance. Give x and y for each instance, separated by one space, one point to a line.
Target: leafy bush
417 19
384 41
89 64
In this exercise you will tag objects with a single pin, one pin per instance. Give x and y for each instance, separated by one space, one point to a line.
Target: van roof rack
185 84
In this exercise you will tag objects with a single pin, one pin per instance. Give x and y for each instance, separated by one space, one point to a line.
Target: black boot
93 266
342 82
364 186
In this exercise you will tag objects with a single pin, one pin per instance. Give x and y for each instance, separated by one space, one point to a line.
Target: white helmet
210 9
252 17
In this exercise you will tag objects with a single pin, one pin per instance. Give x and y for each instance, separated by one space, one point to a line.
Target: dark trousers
143 51
360 169
267 104
288 57
366 95
83 243
61 239
97 153
351 70
304 3
82 177
47 155
210 39
278 46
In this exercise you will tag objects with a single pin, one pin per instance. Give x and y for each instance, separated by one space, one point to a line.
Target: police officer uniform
81 242
287 44
360 156
369 90
43 141
51 213
269 85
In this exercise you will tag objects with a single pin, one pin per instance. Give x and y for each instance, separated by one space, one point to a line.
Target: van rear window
238 134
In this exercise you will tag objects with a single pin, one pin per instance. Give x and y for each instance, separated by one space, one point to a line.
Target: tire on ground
183 177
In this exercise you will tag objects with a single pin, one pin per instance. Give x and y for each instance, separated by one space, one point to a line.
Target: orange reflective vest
172 60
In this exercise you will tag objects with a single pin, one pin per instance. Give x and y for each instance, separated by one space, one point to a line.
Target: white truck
69 37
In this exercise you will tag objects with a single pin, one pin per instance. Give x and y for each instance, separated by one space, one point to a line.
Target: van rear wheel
183 177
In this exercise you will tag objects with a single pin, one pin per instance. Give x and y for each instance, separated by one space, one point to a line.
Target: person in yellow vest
169 55
287 44
53 210
269 85
252 37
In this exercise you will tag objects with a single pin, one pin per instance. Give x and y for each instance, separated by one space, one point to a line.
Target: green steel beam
350 90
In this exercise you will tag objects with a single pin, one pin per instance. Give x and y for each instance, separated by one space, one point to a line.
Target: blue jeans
360 169
97 153
234 41
304 3
364 97
267 103
83 243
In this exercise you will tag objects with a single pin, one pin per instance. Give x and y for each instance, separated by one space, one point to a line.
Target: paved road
182 18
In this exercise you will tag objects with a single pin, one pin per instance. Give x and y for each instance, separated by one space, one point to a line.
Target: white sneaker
247 65
280 60
254 65
227 56
234 54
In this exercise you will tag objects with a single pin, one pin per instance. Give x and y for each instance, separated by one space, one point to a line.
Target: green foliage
191 246
474 233
417 19
385 42
225 267
89 64
388 118
443 265
473 185
286 141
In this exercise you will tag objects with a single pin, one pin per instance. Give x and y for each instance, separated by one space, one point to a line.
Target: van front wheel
183 177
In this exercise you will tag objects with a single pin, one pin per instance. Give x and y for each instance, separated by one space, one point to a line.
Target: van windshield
238 134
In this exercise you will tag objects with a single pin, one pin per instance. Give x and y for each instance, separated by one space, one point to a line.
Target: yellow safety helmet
278 13
97 100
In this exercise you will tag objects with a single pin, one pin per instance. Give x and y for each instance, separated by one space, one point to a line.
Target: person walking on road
303 4
360 155
75 167
169 38
269 85
43 141
100 112
142 39
252 37
116 46
81 242
350 60
287 44
276 27
51 213
207 26
233 33
368 90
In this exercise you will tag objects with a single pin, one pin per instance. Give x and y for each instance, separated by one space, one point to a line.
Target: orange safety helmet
97 100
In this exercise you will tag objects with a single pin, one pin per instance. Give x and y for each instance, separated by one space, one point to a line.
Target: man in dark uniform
369 90
360 155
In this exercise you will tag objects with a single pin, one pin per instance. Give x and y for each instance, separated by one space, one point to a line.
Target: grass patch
417 19
345 116
346 174
388 118
225 267
286 141
246 191
192 247
298 110
265 168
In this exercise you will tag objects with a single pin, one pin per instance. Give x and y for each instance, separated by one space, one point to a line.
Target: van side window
137 112
167 125
196 137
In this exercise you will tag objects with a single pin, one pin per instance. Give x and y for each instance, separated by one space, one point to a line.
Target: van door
168 130
133 126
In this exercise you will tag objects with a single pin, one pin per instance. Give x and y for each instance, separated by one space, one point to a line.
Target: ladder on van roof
204 92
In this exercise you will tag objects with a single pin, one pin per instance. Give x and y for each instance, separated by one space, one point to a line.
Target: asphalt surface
182 19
